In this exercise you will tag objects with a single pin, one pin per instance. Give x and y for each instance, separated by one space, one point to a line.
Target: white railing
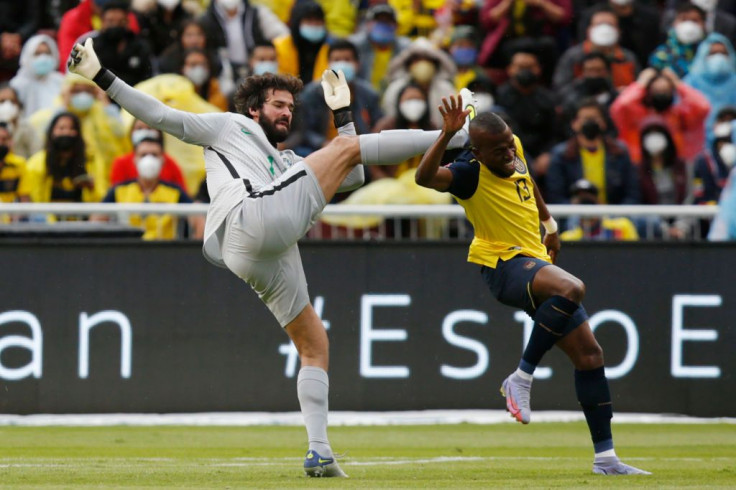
408 222
402 211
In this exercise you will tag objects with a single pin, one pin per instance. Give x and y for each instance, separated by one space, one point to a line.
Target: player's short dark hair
253 92
343 45
489 122
690 7
596 55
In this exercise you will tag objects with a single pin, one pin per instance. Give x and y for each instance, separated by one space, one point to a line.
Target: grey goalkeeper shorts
260 240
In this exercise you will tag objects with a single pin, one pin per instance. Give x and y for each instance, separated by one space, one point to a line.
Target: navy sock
595 398
552 321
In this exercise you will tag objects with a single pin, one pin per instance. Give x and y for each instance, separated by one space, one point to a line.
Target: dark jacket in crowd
133 63
566 168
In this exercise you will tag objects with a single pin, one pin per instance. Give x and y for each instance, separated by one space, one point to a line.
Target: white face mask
230 4
722 130
197 74
727 152
413 109
623 3
603 98
8 111
655 143
169 4
604 35
707 5
149 167
688 32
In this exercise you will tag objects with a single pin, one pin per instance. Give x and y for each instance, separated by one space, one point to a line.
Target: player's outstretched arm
551 235
429 173
192 128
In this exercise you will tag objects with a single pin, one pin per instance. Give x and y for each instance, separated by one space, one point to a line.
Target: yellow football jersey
503 211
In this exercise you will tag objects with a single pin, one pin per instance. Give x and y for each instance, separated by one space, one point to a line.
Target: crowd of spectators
615 101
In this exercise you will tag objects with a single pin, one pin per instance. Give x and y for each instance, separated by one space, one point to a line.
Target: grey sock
395 146
312 387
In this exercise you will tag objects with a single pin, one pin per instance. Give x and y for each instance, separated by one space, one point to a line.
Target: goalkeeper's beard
274 133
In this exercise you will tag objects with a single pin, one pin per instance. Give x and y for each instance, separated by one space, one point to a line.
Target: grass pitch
543 455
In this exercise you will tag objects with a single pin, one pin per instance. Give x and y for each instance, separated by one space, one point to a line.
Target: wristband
104 78
550 225
342 116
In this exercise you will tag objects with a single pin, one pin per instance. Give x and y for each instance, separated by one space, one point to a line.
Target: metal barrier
399 222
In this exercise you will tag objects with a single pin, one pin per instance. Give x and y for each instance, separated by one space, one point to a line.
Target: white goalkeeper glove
336 89
83 60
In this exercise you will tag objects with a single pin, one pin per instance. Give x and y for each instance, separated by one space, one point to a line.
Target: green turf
449 456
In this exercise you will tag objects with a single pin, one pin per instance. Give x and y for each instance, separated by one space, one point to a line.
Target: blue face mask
43 64
312 33
718 65
82 101
464 56
347 68
382 33
265 67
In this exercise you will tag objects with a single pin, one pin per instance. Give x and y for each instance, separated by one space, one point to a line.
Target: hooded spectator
303 53
38 82
424 65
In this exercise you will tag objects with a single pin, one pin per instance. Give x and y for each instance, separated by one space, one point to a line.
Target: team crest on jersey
519 165
529 265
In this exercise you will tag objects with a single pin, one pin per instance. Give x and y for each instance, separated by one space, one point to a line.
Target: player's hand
552 243
453 115
83 60
336 89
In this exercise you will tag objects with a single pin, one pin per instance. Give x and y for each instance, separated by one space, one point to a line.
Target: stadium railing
395 222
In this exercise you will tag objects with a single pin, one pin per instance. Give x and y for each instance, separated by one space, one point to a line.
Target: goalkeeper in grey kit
265 200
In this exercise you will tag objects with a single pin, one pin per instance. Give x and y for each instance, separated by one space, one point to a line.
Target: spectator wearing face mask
25 141
531 106
238 27
80 20
464 51
713 73
425 65
198 70
148 187
124 169
303 52
594 228
161 23
663 175
594 81
714 163
102 128
118 47
635 25
593 156
64 171
38 82
19 20
263 60
314 122
683 108
412 112
602 37
683 38
377 43
719 15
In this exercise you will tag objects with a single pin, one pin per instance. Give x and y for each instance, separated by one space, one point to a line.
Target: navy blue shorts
511 281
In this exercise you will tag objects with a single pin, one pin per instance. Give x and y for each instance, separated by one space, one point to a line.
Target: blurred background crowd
615 101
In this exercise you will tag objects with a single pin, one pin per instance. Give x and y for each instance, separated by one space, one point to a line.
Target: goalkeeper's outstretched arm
197 129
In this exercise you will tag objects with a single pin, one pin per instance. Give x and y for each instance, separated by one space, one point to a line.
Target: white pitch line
421 417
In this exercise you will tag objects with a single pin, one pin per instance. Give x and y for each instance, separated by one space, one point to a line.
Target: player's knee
349 147
572 288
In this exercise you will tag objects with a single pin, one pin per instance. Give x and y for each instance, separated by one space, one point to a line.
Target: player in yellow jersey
492 183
